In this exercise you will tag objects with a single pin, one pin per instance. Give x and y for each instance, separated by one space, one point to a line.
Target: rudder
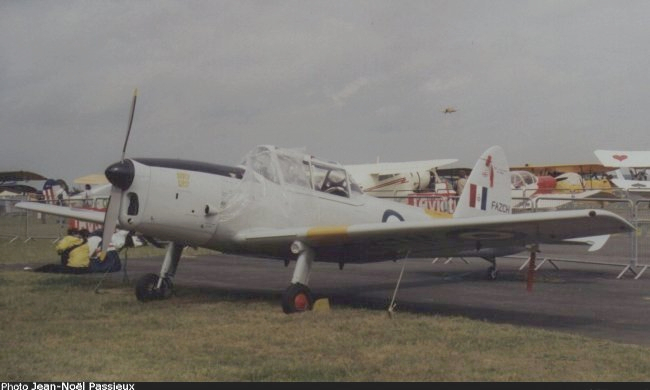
488 190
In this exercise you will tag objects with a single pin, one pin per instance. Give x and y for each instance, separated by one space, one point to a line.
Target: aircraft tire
166 288
297 298
145 289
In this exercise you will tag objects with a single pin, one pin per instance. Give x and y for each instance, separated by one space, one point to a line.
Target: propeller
120 175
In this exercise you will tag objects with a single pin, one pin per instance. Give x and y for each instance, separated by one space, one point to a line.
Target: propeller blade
120 175
128 131
110 219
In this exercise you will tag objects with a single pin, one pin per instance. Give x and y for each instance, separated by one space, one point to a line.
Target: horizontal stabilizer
594 242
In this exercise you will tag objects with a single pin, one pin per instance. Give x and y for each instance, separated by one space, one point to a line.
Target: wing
397 167
480 236
20 176
575 168
70 212
622 159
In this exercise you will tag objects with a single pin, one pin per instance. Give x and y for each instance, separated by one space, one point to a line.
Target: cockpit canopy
522 179
292 167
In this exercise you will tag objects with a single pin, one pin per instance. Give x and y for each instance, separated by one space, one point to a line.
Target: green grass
56 328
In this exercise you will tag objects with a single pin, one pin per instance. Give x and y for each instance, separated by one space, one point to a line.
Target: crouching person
101 261
74 253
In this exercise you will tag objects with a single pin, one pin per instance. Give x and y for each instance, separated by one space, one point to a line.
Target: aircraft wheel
166 288
145 289
492 273
297 298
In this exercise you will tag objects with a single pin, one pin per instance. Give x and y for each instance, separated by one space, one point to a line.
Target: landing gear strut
153 287
297 297
492 272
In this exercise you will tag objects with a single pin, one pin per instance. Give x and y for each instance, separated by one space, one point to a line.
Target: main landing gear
297 297
152 287
492 272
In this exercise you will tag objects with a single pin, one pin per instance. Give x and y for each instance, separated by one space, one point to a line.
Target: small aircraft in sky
449 110
286 205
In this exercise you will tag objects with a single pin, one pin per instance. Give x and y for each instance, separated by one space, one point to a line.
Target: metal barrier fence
17 224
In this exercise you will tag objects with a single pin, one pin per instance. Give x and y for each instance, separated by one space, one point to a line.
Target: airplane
449 110
18 182
629 170
17 189
286 205
16 176
413 182
572 177
557 185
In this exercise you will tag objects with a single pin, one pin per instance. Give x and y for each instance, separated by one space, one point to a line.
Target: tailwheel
147 288
492 273
297 298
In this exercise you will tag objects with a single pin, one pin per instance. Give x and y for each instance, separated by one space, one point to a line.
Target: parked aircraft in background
19 176
20 182
414 182
572 177
557 185
286 205
630 169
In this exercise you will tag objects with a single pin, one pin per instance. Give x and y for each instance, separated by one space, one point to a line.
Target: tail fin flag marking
478 196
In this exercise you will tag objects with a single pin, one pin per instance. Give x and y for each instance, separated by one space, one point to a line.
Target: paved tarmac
581 298
584 297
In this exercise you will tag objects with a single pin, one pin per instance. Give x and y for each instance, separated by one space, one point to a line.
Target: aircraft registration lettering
500 207
183 179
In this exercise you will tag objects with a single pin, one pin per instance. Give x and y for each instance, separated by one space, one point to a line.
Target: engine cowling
545 184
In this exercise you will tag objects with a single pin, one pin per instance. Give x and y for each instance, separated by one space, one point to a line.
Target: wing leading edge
63 211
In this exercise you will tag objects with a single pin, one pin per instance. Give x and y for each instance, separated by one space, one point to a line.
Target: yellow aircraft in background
570 178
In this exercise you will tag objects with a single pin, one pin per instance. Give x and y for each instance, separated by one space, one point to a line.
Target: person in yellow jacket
74 252
73 249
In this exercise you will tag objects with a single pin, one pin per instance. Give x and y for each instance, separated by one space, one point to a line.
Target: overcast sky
351 81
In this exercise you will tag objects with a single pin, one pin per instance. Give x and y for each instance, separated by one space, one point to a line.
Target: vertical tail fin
487 191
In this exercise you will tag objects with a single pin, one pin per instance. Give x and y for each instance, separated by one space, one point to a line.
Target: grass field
56 328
